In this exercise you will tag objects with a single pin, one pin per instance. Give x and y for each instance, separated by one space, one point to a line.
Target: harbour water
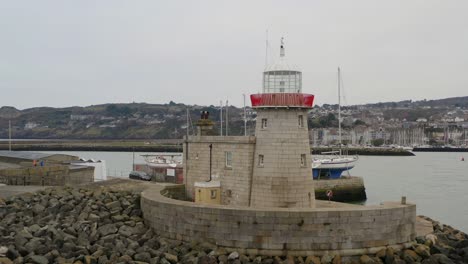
436 182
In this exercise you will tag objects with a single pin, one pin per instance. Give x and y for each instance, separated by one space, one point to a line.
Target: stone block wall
56 175
281 231
235 180
283 178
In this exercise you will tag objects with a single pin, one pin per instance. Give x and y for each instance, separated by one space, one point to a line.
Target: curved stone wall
280 231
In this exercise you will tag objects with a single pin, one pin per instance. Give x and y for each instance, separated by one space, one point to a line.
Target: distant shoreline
169 145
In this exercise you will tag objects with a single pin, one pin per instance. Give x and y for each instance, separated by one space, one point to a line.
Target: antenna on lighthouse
266 50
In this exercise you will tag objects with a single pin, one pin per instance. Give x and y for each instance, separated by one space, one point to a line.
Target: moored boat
332 165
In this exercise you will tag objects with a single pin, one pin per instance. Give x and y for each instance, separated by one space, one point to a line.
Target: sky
79 53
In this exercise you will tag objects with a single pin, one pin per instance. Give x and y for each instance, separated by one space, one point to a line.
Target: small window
300 120
260 160
281 90
264 123
228 159
214 193
281 83
303 160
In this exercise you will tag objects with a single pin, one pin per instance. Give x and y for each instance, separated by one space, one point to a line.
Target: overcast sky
67 53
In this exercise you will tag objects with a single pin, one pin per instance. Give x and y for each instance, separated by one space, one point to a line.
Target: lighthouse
282 171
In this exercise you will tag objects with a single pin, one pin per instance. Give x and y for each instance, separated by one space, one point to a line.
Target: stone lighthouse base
330 228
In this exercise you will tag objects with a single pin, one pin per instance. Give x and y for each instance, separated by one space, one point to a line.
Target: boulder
312 260
126 231
4 260
438 259
326 259
207 260
107 229
233 255
365 259
143 256
410 256
423 251
171 258
38 259
336 259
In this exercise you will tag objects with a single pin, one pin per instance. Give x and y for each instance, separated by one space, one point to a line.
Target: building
270 169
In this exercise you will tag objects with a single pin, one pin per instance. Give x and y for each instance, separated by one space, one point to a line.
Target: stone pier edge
369 227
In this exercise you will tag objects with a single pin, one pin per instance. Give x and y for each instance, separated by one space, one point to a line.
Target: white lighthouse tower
282 172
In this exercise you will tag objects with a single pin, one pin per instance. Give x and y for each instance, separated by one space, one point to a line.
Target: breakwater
440 149
105 225
160 146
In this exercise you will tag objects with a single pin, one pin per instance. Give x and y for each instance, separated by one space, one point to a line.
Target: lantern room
281 77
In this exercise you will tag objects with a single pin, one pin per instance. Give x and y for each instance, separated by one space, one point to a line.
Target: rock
126 231
337 259
410 256
107 229
233 255
436 249
38 259
462 243
257 260
431 239
126 259
164 261
223 259
244 259
34 228
207 260
113 205
3 251
423 251
103 260
143 256
33 244
326 259
364 259
4 260
91 260
38 209
171 258
312 260
438 259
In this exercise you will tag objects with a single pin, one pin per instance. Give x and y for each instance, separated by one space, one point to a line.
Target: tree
378 142
359 122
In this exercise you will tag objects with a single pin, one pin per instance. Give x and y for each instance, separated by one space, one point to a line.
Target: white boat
162 161
333 163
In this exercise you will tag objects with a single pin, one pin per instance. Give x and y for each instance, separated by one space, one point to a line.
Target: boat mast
245 119
227 117
9 135
221 116
339 109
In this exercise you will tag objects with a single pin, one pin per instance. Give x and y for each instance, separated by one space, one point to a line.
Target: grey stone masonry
282 173
332 228
235 177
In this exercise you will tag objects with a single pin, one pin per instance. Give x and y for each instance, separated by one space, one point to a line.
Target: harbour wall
56 175
346 231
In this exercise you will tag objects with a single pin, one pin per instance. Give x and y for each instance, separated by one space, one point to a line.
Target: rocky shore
105 225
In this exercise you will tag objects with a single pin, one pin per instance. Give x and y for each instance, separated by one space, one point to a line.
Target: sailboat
331 165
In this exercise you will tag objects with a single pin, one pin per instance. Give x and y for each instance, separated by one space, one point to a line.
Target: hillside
169 121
